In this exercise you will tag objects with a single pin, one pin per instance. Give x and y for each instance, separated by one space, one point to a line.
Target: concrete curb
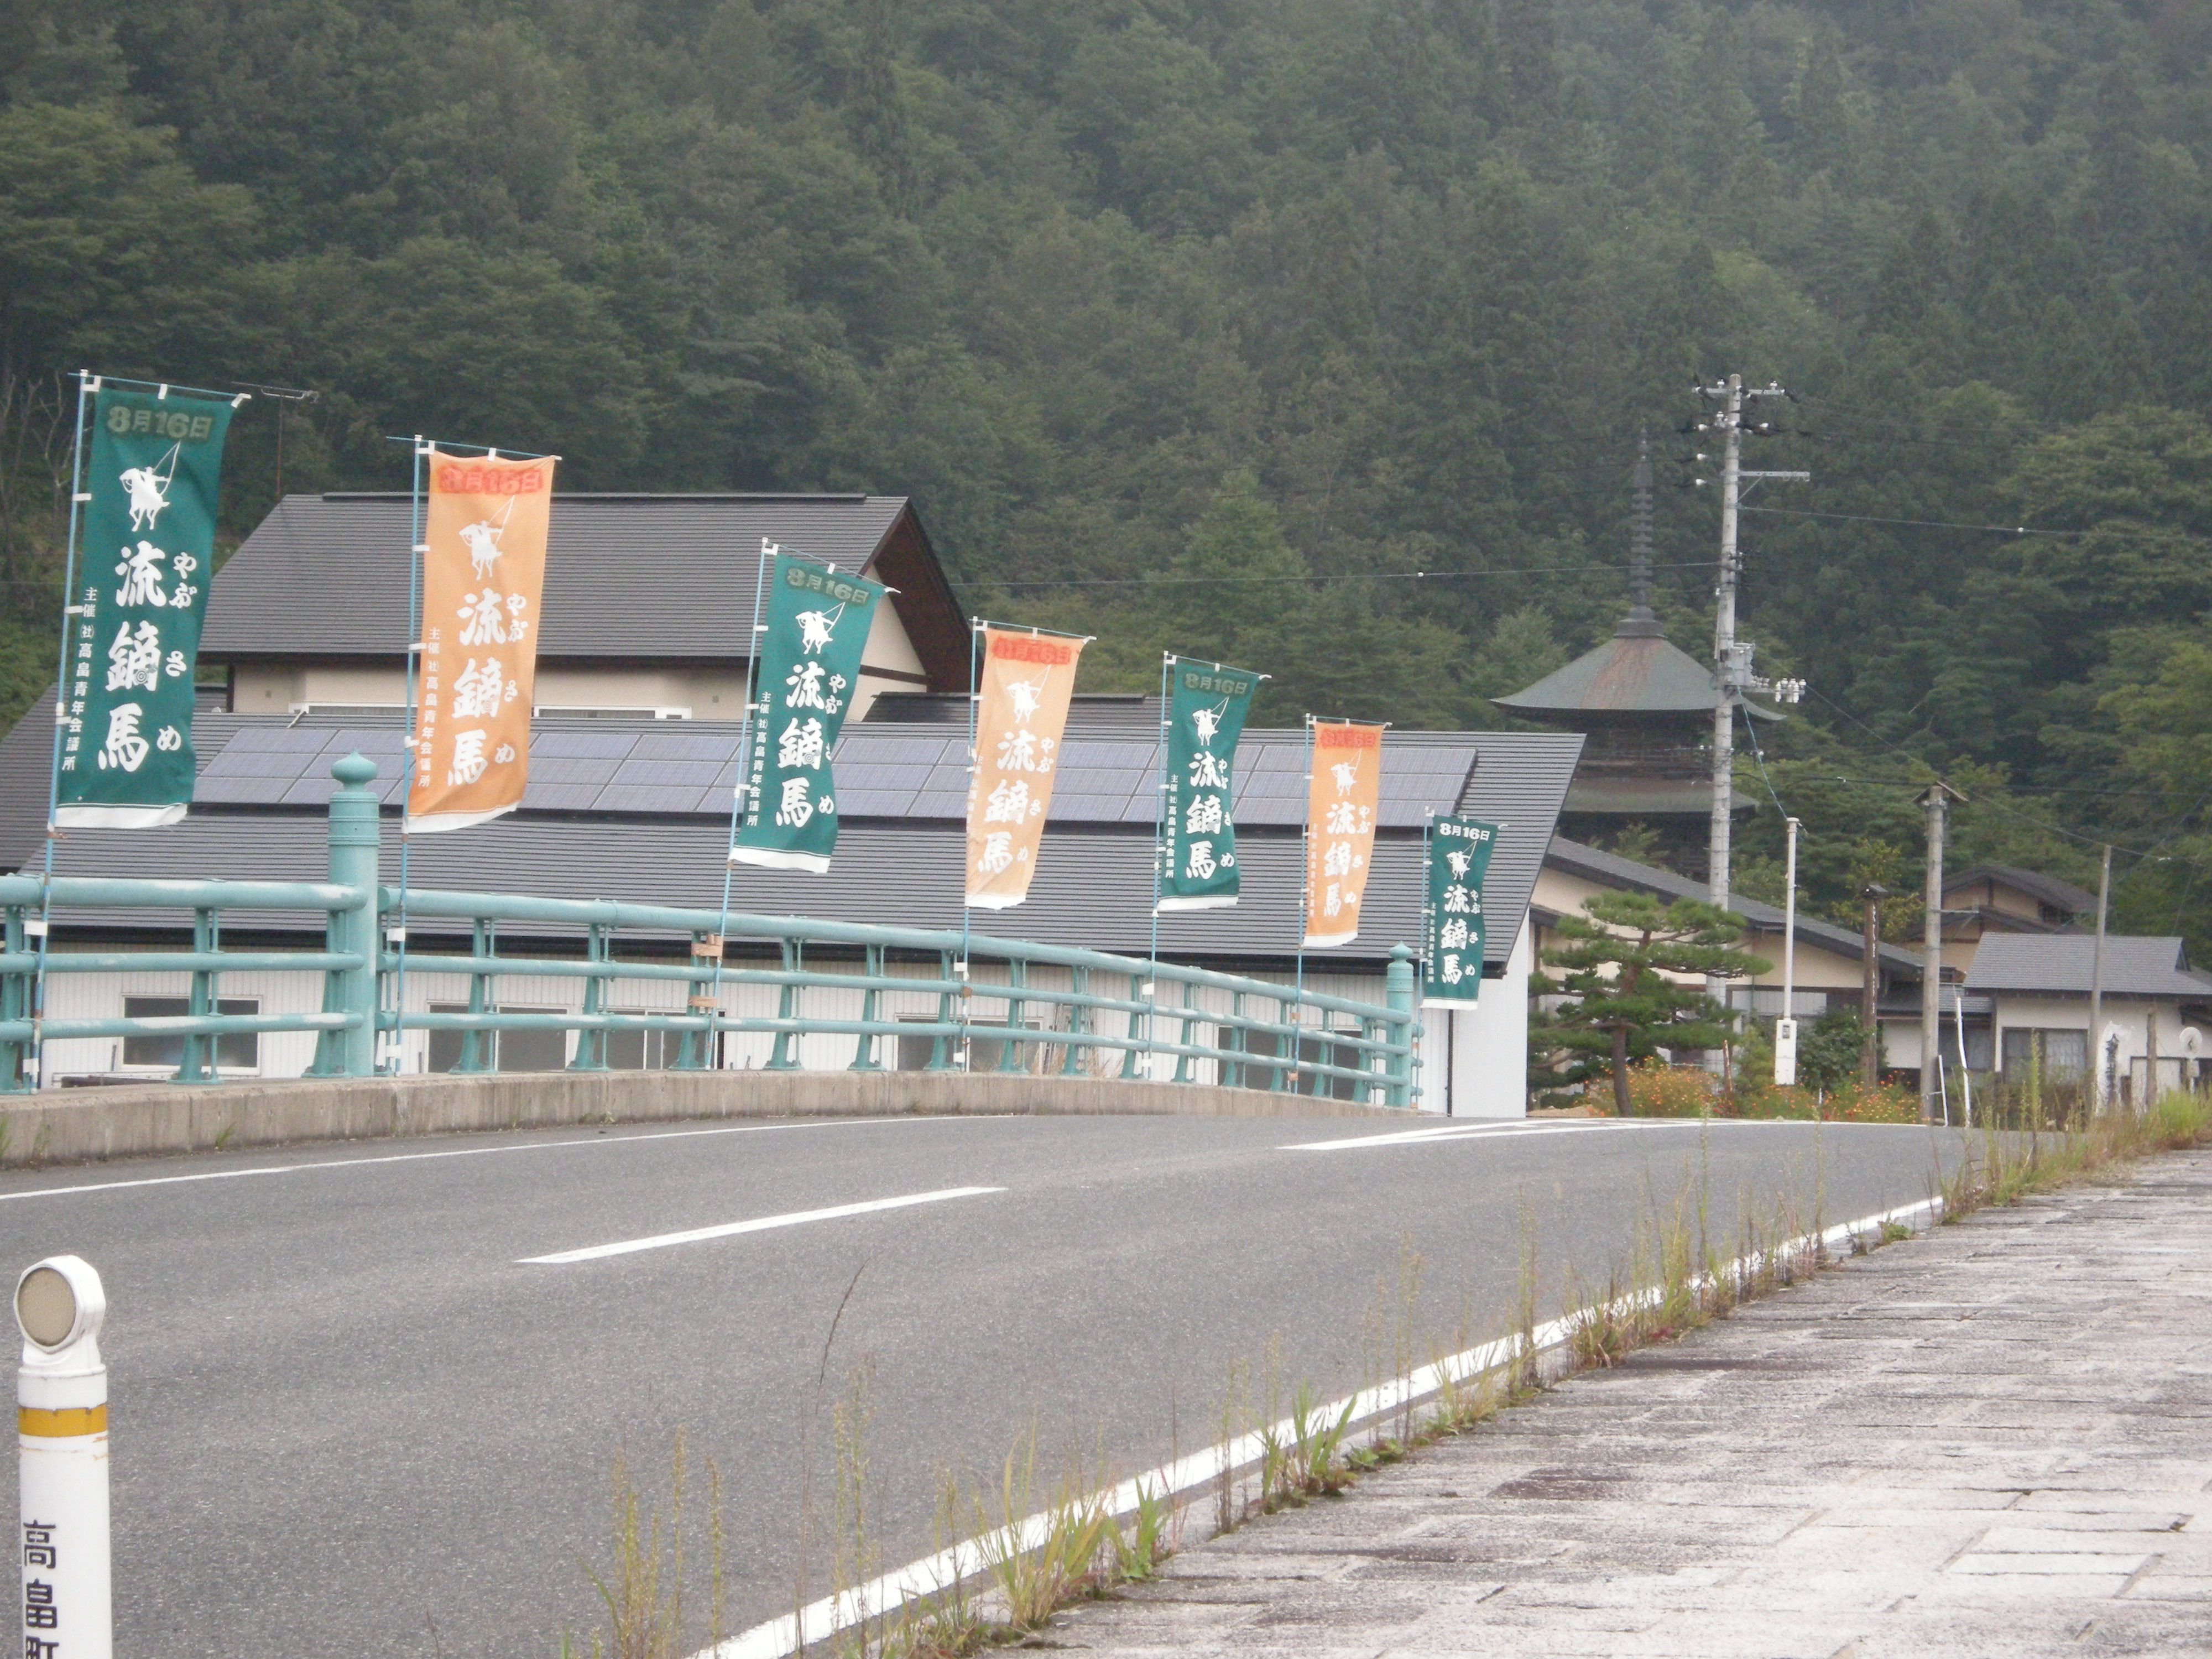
143 1120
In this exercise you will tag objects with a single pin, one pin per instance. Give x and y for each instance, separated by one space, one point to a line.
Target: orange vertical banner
1021 714
1341 801
483 573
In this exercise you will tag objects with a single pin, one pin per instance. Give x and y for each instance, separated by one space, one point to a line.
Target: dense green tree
1630 977
1412 273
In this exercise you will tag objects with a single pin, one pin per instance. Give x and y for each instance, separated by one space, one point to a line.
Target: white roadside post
61 1418
1785 1029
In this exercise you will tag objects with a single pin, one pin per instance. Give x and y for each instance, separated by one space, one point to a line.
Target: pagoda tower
1644 706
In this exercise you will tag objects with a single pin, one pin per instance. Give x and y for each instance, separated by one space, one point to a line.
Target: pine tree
1629 966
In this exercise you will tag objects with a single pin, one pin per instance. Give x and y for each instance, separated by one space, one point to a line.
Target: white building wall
1478 1057
288 1054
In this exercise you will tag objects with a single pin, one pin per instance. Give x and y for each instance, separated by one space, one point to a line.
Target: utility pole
1785 1029
1936 801
2097 986
1732 659
1870 985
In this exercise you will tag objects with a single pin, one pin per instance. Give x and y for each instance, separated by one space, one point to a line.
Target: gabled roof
628 577
639 809
1611 870
2063 964
2062 895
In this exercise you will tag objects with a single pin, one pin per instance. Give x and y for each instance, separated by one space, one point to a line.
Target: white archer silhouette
150 488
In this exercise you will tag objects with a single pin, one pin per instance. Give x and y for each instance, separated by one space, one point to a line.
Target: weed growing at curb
1031 1563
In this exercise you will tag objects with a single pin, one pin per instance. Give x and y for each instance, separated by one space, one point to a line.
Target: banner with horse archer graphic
132 626
818 622
1021 714
484 574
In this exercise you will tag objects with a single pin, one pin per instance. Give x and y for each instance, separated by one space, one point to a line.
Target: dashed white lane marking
758 1224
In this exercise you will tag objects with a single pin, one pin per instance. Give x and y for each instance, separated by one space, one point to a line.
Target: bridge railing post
1397 997
356 829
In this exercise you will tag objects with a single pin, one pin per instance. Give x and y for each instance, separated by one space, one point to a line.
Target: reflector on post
61 1422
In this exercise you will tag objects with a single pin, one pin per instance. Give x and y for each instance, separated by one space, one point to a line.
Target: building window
2061 1054
235 1051
501 1051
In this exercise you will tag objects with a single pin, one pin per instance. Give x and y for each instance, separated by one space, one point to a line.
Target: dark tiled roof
626 576
2063 964
638 811
1613 870
2061 895
26 757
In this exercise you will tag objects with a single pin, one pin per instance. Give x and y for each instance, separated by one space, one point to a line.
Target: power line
1348 577
1992 529
2003 805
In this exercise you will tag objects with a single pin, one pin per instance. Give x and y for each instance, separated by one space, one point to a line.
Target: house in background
2002 899
1831 960
647 611
639 810
2156 1010
643 663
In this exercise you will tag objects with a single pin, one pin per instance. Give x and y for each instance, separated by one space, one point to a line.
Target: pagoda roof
1628 674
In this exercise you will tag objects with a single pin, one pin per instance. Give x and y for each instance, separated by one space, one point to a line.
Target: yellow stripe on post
61 1424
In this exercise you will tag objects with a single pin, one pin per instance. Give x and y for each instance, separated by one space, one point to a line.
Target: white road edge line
487 1152
758 1224
778 1638
1468 1132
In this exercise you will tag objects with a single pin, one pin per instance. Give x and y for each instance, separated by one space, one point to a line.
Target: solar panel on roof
369 739
612 745
1073 807
285 739
561 769
881 751
659 745
692 774
545 796
875 803
231 764
242 791
633 798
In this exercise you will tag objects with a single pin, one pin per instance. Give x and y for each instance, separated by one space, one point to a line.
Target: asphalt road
351 1416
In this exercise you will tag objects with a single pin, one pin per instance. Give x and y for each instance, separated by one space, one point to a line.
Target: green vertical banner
1206 707
809 668
133 624
1459 858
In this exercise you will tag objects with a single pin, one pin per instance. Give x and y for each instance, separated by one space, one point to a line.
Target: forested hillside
1206 323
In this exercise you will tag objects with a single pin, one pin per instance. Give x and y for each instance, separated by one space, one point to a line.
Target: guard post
1397 997
61 1423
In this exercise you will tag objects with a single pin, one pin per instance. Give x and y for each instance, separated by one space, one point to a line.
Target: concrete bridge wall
69 1126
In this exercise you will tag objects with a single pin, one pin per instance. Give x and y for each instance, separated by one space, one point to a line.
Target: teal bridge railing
1023 1003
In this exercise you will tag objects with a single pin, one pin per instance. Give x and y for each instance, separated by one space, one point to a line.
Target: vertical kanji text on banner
1208 704
1342 800
809 668
133 622
1459 851
483 576
1021 716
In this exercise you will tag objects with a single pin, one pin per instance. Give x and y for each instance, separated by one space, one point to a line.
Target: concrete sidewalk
1995 1440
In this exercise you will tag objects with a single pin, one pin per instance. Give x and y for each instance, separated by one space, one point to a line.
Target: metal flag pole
87 384
1169 663
976 627
741 795
1305 912
416 549
1429 925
